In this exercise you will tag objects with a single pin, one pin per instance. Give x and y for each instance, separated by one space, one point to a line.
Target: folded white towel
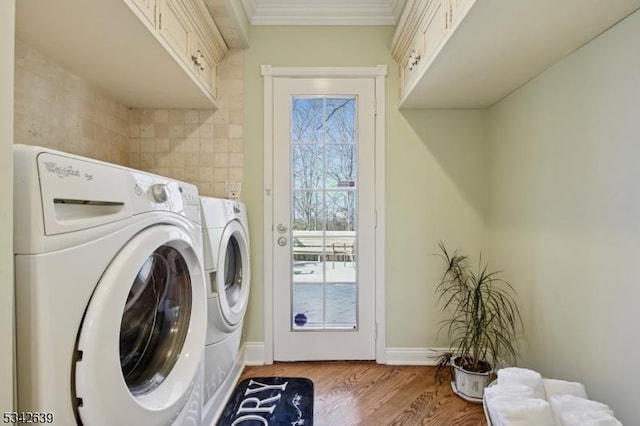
522 376
599 418
562 404
509 391
504 394
561 387
513 411
516 391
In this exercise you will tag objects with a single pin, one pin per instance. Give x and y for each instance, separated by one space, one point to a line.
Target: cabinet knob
198 59
414 60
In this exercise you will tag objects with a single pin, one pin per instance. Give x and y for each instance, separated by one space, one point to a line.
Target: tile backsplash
198 146
55 108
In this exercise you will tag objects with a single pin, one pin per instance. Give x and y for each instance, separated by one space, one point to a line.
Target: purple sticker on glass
300 319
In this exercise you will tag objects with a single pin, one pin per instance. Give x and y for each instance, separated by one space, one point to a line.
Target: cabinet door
148 10
176 29
458 10
204 65
435 28
426 42
414 61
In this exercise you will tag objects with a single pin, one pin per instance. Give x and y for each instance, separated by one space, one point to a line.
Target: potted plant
482 324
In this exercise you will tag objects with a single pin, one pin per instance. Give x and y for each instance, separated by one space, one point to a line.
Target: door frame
377 73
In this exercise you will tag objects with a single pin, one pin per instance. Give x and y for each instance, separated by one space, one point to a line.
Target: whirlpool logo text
62 171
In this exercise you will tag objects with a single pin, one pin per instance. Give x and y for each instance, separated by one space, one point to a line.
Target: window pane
341 305
341 166
308 254
340 120
341 214
308 305
340 265
308 211
308 166
306 120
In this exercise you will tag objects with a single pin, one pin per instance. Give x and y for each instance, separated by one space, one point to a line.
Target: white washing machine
110 292
227 273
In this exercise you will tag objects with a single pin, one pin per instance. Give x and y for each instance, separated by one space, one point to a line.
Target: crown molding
327 12
250 7
397 7
328 72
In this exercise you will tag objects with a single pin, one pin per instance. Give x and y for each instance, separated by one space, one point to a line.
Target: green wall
565 215
435 183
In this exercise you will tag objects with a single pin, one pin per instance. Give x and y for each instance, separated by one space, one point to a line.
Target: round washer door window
141 342
233 282
232 271
155 320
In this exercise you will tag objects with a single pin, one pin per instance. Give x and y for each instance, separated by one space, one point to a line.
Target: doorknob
282 241
282 228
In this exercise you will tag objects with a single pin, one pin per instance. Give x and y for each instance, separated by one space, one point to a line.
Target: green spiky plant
484 317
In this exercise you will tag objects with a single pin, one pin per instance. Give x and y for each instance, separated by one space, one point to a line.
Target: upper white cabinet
144 53
204 64
208 48
472 53
147 9
176 27
185 26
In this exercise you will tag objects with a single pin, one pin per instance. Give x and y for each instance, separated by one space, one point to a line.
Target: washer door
232 279
143 334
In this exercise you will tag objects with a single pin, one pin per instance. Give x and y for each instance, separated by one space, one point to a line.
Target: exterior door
324 218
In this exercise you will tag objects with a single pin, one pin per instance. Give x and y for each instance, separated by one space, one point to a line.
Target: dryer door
232 279
142 337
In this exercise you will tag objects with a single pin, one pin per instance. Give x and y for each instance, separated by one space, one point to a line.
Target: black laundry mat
271 401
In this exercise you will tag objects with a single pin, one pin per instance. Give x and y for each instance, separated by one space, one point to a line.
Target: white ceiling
323 12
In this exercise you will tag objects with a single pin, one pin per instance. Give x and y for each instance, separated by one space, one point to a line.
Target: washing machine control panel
190 201
154 192
190 195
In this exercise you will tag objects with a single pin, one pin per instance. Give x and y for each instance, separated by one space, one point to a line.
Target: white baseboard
414 356
254 353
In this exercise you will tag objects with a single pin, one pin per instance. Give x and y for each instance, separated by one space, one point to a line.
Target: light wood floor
366 393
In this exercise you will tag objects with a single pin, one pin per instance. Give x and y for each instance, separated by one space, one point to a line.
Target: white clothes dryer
110 292
227 273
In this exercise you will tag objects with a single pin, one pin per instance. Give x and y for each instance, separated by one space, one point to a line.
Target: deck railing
328 245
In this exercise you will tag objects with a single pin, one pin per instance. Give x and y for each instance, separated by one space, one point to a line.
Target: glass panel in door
324 284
